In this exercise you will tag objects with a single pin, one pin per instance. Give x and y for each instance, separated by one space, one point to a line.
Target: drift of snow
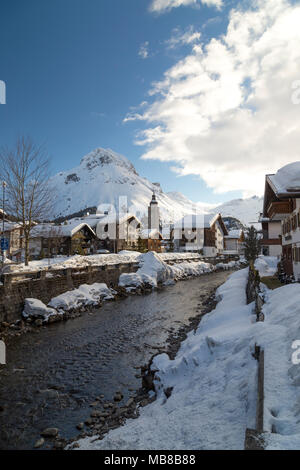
36 309
85 296
155 270
214 379
78 261
266 265
282 377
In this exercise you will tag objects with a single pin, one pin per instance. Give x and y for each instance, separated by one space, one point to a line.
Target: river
54 374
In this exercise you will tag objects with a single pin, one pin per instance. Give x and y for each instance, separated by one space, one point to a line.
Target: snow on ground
229 265
154 270
214 380
78 261
282 378
266 265
36 309
83 297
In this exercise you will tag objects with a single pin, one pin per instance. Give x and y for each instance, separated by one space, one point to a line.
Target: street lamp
4 184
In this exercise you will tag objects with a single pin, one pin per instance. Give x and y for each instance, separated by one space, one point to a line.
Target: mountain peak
101 157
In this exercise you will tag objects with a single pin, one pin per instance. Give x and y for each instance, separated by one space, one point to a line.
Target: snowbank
155 270
229 265
266 265
282 378
214 385
84 297
35 309
78 261
214 379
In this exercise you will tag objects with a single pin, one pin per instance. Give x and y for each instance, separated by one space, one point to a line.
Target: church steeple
153 201
153 213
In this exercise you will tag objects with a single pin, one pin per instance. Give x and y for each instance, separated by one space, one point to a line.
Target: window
294 222
296 254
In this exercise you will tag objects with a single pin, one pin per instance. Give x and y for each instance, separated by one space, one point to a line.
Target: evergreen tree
140 245
252 248
171 246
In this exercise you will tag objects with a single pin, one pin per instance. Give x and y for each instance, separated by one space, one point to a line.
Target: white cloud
144 50
161 6
225 111
179 37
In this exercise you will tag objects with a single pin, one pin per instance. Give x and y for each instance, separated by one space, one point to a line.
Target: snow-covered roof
151 233
53 231
286 180
234 234
113 218
9 226
92 219
197 221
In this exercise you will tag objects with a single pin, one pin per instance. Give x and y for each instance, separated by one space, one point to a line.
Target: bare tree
25 168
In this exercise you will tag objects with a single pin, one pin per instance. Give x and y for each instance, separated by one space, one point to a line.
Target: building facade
234 242
281 217
200 233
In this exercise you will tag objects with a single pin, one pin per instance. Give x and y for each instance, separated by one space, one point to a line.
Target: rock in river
49 432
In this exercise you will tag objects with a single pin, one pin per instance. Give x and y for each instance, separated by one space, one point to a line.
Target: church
152 236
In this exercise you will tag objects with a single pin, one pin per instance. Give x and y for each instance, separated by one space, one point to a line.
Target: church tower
153 214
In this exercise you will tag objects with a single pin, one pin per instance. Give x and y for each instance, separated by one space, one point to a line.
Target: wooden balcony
279 207
270 241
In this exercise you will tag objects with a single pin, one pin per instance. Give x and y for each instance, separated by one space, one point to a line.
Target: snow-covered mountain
245 210
104 176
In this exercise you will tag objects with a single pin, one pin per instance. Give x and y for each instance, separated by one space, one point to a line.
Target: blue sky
74 69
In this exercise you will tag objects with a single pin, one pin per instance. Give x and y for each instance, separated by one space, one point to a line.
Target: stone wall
46 285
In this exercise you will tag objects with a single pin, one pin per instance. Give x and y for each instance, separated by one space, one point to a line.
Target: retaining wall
46 284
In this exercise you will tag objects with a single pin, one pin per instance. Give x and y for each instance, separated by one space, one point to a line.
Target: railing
270 241
279 207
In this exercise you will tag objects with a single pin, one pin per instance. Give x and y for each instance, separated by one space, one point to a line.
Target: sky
201 95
